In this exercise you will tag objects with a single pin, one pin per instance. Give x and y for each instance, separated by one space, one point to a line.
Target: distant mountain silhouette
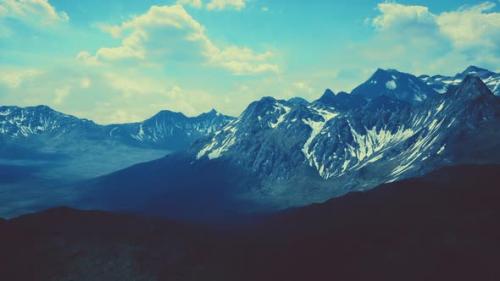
443 226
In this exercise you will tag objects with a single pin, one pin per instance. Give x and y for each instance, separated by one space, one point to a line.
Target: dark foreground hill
443 226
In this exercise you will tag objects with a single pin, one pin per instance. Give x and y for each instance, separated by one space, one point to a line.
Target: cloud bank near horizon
184 56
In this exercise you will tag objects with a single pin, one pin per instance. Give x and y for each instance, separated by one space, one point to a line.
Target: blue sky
124 60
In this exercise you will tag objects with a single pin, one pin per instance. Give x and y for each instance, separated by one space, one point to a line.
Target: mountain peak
385 75
327 96
267 99
209 113
168 114
395 84
328 93
385 72
472 87
475 70
298 101
213 112
43 107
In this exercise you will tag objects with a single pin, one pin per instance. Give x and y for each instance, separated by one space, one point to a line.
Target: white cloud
106 94
86 58
472 26
32 11
193 3
303 87
398 15
130 84
215 5
241 60
224 4
14 78
468 35
469 26
169 34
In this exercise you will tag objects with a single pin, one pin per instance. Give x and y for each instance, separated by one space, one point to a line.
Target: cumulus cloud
470 34
472 26
169 33
32 12
398 15
465 27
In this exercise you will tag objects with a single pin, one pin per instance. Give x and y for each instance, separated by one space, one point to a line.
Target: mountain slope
442 226
438 227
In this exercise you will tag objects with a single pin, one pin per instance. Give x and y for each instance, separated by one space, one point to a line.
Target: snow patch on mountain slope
220 142
5 112
140 134
226 144
365 145
441 150
440 107
316 128
424 142
285 110
391 85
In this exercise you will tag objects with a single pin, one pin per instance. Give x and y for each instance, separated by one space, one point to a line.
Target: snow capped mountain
396 84
285 153
353 142
442 83
169 129
166 129
18 122
266 135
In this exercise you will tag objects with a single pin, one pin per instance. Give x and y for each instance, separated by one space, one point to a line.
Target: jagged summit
340 101
472 87
210 114
327 96
328 93
395 84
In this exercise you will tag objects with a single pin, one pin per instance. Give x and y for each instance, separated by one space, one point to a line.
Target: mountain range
284 153
165 130
42 150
